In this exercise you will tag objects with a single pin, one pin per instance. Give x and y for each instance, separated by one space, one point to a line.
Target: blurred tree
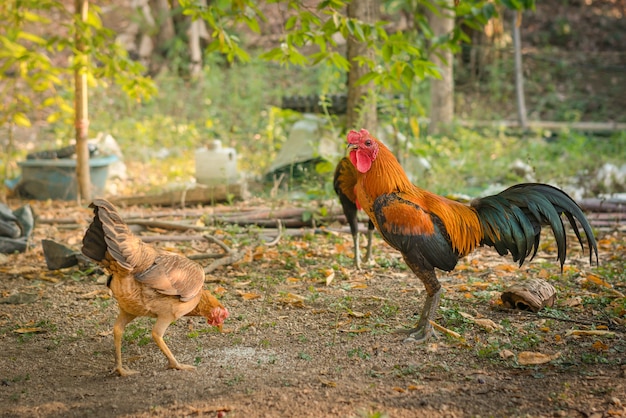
385 61
361 109
31 75
441 20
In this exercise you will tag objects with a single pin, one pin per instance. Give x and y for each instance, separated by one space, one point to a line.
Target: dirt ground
310 336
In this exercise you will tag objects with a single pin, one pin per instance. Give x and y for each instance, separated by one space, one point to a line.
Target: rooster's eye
368 143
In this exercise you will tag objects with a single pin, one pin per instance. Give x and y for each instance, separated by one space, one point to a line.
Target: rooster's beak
350 147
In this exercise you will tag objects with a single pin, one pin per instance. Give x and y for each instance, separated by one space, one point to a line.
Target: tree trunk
197 30
361 109
519 74
164 21
442 90
81 121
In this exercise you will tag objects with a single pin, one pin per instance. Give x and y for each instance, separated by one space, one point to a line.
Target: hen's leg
424 329
118 332
157 334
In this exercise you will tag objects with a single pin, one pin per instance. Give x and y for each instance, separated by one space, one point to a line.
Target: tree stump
533 295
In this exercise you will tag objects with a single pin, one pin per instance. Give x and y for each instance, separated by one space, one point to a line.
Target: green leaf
387 52
53 117
32 17
291 22
339 61
50 101
93 20
31 37
367 78
20 119
358 28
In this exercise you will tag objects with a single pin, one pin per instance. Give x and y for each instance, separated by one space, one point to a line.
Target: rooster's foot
420 335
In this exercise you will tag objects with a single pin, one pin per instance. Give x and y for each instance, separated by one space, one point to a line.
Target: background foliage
237 99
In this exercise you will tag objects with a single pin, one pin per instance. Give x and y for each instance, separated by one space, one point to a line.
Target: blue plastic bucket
56 179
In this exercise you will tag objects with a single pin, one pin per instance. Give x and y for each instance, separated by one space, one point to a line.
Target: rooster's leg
424 329
357 250
368 253
158 330
118 332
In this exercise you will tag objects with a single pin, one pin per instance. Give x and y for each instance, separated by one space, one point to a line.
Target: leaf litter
311 336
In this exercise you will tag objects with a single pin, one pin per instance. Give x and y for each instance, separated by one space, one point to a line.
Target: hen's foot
124 372
179 366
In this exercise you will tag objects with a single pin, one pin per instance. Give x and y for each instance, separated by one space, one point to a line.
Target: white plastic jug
216 165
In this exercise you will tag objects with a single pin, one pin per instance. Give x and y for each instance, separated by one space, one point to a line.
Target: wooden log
198 195
165 225
603 205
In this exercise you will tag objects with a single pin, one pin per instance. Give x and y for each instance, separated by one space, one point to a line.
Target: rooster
344 183
431 231
147 281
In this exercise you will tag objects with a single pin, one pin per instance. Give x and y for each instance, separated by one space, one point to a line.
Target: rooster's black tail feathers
512 220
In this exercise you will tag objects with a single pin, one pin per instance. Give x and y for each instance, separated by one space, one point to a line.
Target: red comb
354 137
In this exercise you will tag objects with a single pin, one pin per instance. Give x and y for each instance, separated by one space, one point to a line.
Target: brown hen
147 281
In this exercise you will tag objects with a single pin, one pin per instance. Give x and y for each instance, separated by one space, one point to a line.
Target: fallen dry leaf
571 302
599 281
526 358
595 332
600 346
356 331
447 331
100 293
219 290
330 275
248 295
328 383
487 324
505 354
32 330
358 286
292 299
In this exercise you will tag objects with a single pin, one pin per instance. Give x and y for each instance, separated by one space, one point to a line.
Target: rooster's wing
414 231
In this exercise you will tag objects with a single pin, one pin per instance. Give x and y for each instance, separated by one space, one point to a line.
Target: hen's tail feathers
107 232
512 220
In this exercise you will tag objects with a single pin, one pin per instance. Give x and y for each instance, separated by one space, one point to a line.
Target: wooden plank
540 124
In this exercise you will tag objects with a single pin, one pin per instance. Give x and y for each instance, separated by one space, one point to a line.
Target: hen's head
363 149
217 316
211 308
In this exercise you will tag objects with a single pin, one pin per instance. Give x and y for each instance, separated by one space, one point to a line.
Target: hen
434 232
147 281
344 183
